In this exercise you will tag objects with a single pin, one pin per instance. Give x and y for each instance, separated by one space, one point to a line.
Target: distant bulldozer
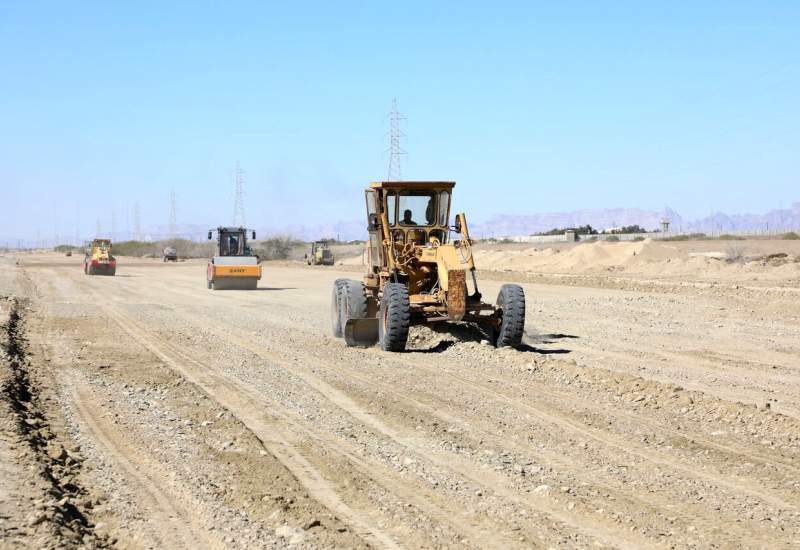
418 266
234 266
321 254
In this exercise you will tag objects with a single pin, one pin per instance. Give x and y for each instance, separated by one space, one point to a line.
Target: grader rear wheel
336 309
355 300
511 300
394 317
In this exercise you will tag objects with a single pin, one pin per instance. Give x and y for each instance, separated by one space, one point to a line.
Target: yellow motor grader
418 273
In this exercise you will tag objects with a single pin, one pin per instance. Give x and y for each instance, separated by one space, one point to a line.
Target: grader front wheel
511 301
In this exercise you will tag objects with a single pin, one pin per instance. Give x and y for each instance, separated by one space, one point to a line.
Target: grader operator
418 273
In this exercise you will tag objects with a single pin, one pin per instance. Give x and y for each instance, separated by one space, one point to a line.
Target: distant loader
98 259
321 254
417 273
234 266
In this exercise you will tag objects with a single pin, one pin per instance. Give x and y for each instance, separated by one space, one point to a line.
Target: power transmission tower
113 224
137 223
395 151
238 201
173 215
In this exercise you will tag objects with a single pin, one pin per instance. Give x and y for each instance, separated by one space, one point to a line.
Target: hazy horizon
530 108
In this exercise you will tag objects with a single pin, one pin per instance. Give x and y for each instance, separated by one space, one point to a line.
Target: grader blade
362 333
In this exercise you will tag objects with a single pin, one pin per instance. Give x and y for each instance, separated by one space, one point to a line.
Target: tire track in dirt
437 369
349 405
480 531
621 445
169 520
275 439
412 441
499 485
500 397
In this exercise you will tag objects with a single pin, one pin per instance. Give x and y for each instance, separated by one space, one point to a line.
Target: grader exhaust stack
418 267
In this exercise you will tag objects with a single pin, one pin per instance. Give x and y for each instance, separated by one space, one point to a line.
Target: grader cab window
444 206
417 208
391 207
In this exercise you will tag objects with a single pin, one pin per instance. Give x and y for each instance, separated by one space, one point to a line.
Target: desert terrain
655 404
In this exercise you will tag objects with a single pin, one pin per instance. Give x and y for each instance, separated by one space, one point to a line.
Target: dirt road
171 416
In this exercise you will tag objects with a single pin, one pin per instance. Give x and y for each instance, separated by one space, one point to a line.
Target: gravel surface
639 413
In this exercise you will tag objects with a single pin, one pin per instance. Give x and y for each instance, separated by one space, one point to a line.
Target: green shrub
276 248
791 236
689 237
612 239
638 239
729 237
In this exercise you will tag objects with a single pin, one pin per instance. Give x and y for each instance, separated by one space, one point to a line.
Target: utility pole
137 223
173 215
395 151
98 228
238 201
113 224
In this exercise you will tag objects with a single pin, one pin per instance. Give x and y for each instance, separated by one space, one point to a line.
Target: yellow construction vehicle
418 266
234 266
321 254
98 259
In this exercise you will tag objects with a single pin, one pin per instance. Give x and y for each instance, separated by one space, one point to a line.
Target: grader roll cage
417 273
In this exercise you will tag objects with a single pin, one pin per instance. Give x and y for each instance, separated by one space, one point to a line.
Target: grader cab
419 271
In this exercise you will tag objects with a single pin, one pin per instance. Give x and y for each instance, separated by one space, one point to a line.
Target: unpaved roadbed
630 418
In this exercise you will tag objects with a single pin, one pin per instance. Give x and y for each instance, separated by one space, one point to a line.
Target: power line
395 151
238 201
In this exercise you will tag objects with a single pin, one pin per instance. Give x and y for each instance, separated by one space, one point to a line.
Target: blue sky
531 107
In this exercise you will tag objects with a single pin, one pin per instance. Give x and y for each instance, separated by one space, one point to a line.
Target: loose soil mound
740 260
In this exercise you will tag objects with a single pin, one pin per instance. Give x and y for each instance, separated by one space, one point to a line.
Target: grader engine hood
451 264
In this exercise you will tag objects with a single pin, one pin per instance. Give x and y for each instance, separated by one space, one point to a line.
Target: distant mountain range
607 218
507 225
